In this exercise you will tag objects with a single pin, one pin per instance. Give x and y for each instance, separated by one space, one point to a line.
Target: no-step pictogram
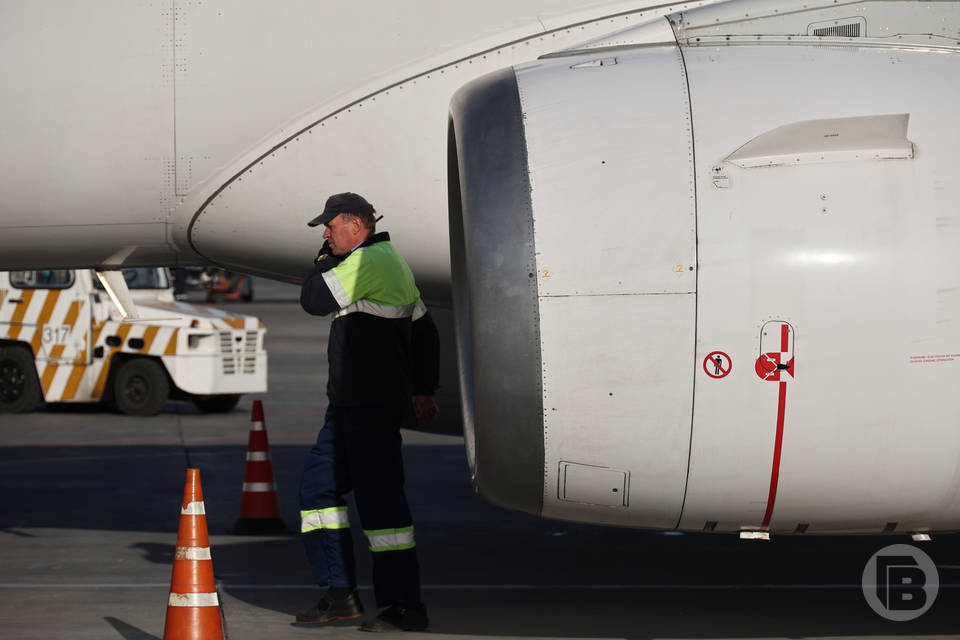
717 364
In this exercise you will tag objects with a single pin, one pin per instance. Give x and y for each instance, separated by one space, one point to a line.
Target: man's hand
324 252
425 408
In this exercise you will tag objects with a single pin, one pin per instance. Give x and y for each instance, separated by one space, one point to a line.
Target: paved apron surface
90 507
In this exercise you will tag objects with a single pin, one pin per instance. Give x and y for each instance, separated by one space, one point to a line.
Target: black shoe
398 617
331 610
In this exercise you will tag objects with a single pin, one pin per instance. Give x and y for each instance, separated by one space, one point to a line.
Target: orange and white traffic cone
260 507
193 610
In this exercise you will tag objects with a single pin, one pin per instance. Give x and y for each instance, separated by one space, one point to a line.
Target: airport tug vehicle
80 336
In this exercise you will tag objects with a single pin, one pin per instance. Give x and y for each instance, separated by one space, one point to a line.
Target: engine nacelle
689 295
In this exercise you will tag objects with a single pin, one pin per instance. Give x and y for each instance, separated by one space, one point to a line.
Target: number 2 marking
545 274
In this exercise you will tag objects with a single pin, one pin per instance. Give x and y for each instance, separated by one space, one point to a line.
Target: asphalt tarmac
90 507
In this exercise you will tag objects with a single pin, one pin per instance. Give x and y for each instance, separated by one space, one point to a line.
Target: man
383 358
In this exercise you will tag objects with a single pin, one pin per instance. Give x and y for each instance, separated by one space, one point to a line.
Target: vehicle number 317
55 334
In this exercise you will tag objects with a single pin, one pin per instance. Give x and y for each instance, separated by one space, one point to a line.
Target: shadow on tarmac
175 407
128 631
587 584
640 613
485 571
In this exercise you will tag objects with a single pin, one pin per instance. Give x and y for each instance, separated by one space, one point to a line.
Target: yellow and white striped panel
17 308
225 321
27 314
23 314
7 308
45 302
64 322
221 320
84 382
157 341
73 315
76 381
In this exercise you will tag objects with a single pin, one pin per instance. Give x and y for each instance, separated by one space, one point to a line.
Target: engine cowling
689 295
573 239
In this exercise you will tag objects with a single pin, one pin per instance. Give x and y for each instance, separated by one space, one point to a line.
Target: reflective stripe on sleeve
194 600
379 310
391 539
193 509
419 311
339 293
329 518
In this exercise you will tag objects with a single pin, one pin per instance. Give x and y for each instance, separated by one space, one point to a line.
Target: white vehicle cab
62 339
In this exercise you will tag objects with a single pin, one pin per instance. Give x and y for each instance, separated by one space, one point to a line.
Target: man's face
343 233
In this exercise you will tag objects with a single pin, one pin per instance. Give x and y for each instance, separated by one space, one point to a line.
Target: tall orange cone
193 610
260 507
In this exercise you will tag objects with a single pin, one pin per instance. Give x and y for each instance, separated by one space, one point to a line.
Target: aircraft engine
677 270
573 240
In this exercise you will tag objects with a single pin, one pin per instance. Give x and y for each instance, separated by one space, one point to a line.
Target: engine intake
495 293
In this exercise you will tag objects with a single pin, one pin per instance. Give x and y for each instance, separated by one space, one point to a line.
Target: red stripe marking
775 473
778 444
258 441
258 471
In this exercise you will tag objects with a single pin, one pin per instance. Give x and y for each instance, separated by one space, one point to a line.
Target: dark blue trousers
358 449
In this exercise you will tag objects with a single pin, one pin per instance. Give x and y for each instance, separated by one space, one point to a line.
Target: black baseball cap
342 203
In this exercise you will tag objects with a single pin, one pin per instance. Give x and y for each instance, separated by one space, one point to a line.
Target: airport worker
383 358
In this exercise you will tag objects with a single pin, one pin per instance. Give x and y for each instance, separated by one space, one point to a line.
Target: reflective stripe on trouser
329 518
358 450
390 539
322 487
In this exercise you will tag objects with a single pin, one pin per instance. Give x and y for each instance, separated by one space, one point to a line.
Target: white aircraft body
704 256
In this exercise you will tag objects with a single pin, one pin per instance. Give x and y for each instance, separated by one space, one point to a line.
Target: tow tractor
83 336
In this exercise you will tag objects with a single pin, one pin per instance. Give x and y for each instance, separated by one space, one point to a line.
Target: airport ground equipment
62 339
259 506
193 608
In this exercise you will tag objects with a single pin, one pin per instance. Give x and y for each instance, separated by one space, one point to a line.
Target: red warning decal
772 365
717 364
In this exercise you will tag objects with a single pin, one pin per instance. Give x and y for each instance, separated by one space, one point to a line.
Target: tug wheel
19 386
141 387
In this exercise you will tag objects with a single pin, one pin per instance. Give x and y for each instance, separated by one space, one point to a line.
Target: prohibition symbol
717 364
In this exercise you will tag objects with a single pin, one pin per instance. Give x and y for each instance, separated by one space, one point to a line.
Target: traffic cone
260 507
193 610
